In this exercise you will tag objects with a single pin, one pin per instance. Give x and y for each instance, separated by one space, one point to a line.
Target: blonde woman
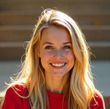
56 73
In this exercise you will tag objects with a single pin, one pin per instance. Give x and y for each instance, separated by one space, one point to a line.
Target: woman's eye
48 47
67 47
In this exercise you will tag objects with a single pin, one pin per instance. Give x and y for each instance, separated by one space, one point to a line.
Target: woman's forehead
57 33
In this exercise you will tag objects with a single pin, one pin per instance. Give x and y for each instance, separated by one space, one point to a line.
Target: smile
58 65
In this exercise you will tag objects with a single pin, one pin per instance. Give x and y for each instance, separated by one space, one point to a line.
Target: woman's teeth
58 65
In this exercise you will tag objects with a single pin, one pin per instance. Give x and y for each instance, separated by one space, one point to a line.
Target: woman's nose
59 53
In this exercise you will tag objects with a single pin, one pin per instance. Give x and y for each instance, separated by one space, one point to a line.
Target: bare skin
57 56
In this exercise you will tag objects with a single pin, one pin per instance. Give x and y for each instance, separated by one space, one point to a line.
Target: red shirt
13 101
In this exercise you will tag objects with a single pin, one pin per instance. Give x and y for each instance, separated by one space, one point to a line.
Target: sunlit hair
81 88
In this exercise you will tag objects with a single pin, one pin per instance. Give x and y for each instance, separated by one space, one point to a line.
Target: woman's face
56 53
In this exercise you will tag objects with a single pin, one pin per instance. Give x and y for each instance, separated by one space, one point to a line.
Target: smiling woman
56 73
56 56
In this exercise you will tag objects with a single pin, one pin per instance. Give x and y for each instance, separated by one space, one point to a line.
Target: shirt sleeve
97 101
11 100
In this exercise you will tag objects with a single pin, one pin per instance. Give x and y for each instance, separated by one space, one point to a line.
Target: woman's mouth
58 64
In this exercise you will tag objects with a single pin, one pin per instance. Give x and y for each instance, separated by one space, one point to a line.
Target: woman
56 73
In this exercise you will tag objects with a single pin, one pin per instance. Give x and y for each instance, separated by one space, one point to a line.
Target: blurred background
18 18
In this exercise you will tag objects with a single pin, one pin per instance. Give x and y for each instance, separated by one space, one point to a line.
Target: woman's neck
55 84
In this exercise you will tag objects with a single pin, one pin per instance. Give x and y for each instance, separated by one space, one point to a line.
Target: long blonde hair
81 87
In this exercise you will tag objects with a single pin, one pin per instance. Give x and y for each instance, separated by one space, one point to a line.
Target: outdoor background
18 18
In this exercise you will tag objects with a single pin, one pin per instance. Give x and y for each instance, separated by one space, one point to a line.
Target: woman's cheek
69 53
46 56
70 56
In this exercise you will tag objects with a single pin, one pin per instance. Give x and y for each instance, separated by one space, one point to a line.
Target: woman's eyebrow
66 43
52 43
47 43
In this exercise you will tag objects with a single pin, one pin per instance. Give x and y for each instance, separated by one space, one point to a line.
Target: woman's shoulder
97 101
16 97
17 89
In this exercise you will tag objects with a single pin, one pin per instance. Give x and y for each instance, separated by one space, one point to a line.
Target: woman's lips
58 64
